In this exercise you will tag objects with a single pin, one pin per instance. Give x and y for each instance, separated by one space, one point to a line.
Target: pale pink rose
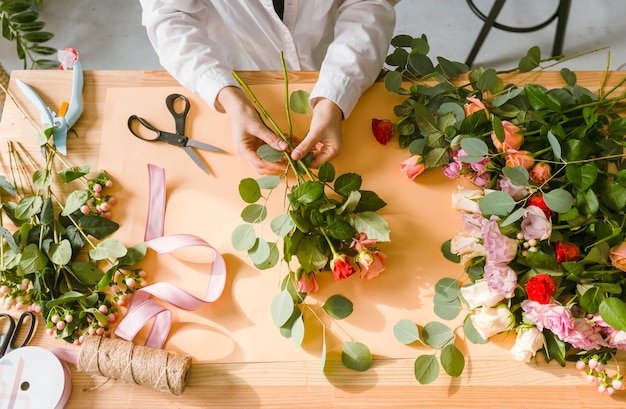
535 225
614 338
466 245
466 199
480 295
618 256
412 167
502 279
479 166
516 192
472 222
307 284
491 321
554 317
527 343
500 248
585 335
452 170
371 263
481 179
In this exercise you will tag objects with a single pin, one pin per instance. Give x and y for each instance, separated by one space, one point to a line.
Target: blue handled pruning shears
62 122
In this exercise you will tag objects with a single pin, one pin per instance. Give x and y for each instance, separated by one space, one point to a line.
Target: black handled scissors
178 139
10 339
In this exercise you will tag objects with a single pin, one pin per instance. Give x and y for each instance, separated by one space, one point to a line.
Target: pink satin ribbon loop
142 308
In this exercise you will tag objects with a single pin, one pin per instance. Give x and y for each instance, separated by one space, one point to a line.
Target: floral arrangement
329 225
57 257
542 241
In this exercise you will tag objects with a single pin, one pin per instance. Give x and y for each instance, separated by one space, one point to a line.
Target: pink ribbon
142 307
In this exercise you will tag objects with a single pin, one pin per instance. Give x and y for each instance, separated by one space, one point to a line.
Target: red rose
537 200
383 130
566 252
540 288
341 267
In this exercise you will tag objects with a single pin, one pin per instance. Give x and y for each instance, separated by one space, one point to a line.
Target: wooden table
498 383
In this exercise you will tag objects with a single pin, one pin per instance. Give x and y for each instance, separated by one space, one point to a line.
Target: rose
465 244
307 283
540 288
466 199
383 130
515 191
480 295
515 158
500 248
473 106
527 343
372 263
566 252
541 173
341 267
537 200
584 335
535 225
491 321
512 138
502 279
412 167
554 317
617 255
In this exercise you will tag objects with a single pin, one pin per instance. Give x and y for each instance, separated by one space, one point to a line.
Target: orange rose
518 158
618 256
512 138
541 173
474 105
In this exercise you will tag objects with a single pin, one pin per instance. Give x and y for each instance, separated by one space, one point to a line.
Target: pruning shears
68 112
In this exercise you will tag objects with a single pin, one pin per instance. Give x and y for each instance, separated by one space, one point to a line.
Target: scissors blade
194 156
204 146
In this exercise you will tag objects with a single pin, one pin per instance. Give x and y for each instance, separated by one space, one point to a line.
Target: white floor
109 34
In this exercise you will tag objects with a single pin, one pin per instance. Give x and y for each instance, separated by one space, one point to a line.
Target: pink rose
535 225
452 170
527 343
500 248
618 256
584 335
554 317
307 283
372 263
512 138
412 167
502 279
516 192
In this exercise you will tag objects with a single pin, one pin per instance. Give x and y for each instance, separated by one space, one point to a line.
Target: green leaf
406 332
540 100
6 235
347 183
452 360
249 190
475 147
243 237
555 145
554 347
37 36
254 213
74 201
531 60
307 192
66 298
568 76
613 312
487 81
297 331
133 255
32 260
582 176
326 172
7 186
393 81
260 252
299 102
60 253
46 217
437 335
28 207
271 260
518 175
356 356
282 307
426 369
470 331
42 178
498 203
372 224
446 309
69 174
613 195
87 273
270 154
108 248
97 226
282 224
338 307
309 255
559 200
447 289
268 182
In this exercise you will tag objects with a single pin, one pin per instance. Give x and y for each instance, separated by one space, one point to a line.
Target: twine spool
122 360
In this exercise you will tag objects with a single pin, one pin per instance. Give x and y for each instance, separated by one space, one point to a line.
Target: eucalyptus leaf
297 331
28 207
243 237
426 369
254 213
452 360
497 202
447 289
518 175
108 248
437 335
260 252
356 356
299 102
282 307
338 307
249 190
559 200
270 154
406 332
282 224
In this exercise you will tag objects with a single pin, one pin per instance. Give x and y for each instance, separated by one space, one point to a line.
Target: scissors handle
10 339
159 136
180 117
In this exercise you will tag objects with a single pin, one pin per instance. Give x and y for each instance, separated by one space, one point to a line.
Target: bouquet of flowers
329 225
542 241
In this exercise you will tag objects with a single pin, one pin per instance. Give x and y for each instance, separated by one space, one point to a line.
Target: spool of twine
4 80
124 361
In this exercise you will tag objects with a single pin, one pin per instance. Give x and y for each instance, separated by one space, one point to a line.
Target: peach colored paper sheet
238 327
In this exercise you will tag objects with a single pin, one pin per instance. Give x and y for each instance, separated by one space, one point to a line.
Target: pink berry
610 391
104 207
142 274
69 318
617 384
103 309
111 318
112 201
131 283
50 331
54 319
109 183
601 388
96 195
107 215
593 363
599 367
100 331
580 365
84 209
61 325
97 188
91 331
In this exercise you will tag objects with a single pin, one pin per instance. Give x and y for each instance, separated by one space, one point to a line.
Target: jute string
4 80
122 360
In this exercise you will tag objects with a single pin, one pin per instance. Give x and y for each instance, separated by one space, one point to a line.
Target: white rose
466 245
491 321
527 343
480 295
466 199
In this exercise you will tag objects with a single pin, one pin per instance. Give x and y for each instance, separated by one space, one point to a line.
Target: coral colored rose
540 173
480 295
492 321
535 225
307 283
383 130
566 252
618 256
473 106
67 57
371 263
518 158
412 167
341 267
512 138
537 200
540 288
527 343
